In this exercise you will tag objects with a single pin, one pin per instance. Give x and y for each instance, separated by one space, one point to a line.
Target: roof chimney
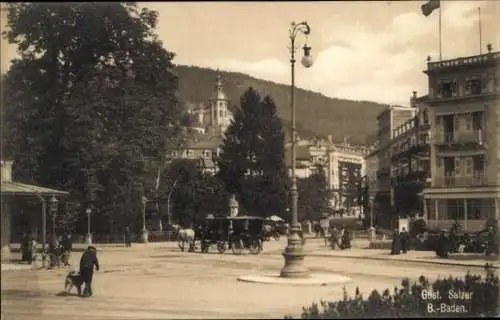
6 170
489 47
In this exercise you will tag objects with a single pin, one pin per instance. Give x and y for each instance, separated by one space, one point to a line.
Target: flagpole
480 32
440 43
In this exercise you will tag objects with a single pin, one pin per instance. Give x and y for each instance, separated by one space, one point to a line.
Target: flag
430 6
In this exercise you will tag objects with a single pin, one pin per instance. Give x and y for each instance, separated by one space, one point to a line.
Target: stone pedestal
372 236
88 238
294 256
144 236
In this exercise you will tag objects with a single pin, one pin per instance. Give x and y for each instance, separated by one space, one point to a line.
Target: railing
463 61
450 138
477 179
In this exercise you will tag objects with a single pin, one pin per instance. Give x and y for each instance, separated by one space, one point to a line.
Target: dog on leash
73 279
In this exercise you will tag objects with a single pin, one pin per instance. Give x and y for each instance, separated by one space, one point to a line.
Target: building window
468 122
447 88
457 166
468 166
455 209
425 117
473 85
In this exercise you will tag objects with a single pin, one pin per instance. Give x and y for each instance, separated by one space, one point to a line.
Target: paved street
157 281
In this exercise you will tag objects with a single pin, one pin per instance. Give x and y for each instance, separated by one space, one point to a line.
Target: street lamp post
371 231
169 214
144 234
88 211
294 253
53 211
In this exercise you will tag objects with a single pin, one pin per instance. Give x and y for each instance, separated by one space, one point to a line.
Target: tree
251 164
314 195
92 91
196 194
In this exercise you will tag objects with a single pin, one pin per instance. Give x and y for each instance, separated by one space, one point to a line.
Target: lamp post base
294 258
144 236
372 234
88 238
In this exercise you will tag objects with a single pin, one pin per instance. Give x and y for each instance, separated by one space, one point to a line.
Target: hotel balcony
459 140
478 179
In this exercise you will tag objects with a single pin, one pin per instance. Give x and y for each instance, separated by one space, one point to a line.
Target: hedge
408 301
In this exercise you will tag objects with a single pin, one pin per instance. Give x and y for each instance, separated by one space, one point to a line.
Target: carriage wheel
237 247
221 246
254 247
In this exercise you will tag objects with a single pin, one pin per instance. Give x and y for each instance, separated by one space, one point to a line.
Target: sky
363 50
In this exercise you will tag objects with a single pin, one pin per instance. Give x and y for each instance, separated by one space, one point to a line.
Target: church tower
220 115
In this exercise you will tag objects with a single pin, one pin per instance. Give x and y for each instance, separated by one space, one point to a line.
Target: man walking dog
87 263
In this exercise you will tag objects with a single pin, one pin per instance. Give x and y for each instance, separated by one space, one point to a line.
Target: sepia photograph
250 160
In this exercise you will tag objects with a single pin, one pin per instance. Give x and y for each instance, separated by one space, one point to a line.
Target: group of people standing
340 238
59 250
400 241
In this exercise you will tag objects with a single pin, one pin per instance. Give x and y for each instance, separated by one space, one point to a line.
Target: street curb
403 260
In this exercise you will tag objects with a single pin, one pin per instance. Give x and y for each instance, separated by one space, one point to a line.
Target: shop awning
16 188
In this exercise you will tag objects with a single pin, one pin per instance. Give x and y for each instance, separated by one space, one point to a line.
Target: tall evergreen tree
92 91
252 159
314 195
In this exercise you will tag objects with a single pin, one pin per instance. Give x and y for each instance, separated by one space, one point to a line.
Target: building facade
410 160
380 179
343 166
464 110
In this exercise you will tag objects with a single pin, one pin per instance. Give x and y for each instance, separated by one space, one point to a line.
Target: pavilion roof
17 188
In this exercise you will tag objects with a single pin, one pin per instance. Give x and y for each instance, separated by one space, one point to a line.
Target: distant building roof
205 142
301 154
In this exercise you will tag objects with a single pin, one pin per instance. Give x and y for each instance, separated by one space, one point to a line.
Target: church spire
219 93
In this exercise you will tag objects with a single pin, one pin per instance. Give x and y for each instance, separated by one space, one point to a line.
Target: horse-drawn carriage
235 233
215 232
247 233
456 240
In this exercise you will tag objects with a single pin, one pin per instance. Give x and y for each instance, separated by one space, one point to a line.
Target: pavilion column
436 211
5 229
466 213
425 214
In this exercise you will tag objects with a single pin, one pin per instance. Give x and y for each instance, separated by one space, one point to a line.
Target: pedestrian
54 251
346 239
396 242
128 237
491 244
334 238
87 263
27 247
442 245
405 240
67 246
341 235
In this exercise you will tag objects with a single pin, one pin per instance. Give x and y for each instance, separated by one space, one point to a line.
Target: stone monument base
314 279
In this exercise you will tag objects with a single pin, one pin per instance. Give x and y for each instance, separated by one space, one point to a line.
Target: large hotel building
463 101
440 157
